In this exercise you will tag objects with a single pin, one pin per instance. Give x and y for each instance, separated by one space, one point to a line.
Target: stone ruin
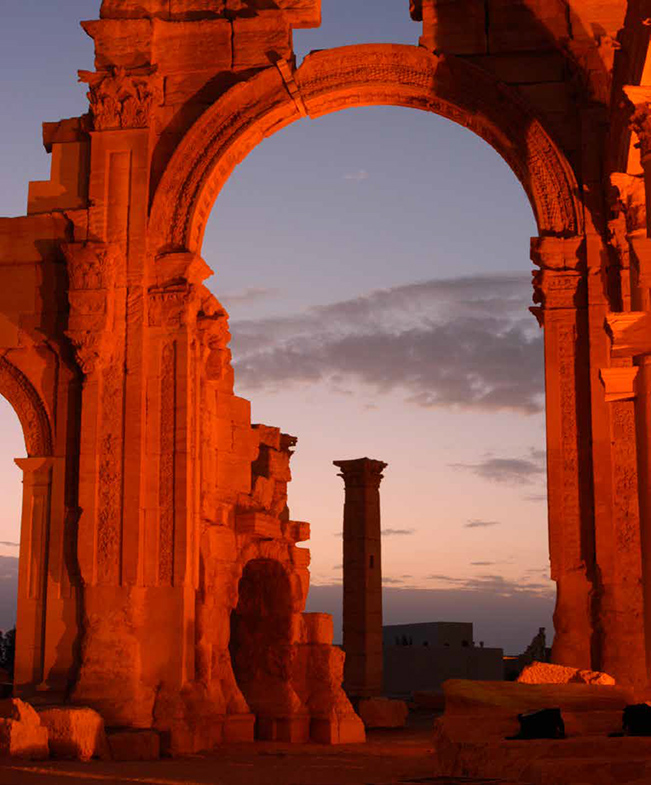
161 581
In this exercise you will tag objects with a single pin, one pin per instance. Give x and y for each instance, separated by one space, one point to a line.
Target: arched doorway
35 524
10 520
261 650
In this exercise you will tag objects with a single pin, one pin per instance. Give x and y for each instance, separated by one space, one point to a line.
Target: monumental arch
157 544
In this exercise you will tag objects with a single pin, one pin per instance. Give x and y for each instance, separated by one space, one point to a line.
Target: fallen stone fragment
546 673
75 733
21 733
383 713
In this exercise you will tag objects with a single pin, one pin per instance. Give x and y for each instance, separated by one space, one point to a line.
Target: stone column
560 289
362 577
32 572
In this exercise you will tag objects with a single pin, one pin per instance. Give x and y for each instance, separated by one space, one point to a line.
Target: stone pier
362 577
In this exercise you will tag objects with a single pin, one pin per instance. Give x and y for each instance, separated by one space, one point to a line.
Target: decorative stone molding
172 306
559 283
92 272
557 289
557 253
120 99
630 333
18 390
177 297
619 383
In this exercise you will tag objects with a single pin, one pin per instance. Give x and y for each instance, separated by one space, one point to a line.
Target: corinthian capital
121 99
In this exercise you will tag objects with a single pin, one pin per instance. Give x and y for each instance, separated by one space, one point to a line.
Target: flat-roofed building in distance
420 657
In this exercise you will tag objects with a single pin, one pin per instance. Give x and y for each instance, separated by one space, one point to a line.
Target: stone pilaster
362 577
33 572
92 272
560 291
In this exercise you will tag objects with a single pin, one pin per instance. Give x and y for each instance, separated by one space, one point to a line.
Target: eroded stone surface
74 733
21 733
546 673
149 491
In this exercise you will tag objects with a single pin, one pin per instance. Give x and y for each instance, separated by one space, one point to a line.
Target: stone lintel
619 383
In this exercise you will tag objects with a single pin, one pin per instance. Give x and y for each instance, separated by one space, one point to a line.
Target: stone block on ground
383 713
74 733
587 709
125 745
579 761
21 733
547 673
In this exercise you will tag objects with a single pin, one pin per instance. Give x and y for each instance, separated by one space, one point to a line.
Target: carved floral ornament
92 272
121 99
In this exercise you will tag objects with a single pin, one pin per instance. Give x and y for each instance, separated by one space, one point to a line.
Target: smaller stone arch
26 402
261 643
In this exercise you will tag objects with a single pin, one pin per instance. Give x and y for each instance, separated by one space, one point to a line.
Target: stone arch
261 642
19 391
354 76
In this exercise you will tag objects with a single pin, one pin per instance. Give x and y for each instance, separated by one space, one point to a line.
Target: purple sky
375 265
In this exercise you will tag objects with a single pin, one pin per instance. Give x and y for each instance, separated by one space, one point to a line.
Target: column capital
121 99
361 472
36 471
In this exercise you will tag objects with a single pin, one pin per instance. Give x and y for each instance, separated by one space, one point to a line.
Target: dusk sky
375 266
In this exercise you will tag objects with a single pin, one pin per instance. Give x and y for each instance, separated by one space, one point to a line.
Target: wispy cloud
482 563
478 524
10 544
510 471
358 176
463 343
494 584
397 532
392 581
535 497
248 296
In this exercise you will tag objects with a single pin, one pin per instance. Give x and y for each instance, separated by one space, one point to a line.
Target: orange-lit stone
158 512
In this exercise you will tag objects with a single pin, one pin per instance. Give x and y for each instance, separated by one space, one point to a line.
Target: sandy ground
390 757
